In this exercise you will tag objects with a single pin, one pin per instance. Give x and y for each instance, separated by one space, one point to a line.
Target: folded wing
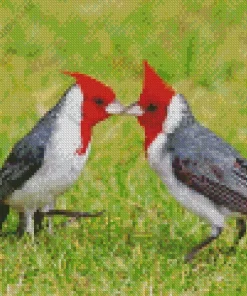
212 167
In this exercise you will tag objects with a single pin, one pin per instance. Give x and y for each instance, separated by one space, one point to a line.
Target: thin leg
22 224
241 226
49 207
38 221
39 218
216 231
29 227
4 211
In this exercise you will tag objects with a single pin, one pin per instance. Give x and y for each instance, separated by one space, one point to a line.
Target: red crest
90 85
154 86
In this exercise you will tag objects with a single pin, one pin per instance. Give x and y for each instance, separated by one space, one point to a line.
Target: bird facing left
203 172
49 159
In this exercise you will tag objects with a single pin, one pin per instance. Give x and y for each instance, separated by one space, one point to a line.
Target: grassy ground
137 247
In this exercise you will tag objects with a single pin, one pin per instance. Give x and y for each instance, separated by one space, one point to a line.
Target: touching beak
134 110
115 108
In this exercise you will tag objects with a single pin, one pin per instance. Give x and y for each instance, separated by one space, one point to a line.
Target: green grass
137 247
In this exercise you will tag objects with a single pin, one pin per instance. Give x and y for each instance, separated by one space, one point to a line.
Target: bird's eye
151 108
99 101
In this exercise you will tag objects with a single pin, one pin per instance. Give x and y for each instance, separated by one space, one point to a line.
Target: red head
155 98
98 103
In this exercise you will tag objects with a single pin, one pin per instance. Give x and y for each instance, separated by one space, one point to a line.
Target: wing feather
27 155
212 167
20 165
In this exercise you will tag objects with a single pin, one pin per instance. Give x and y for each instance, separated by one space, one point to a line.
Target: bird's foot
73 214
189 257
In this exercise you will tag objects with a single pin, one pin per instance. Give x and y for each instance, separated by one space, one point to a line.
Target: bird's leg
39 218
51 206
216 231
4 211
22 224
29 222
241 226
38 221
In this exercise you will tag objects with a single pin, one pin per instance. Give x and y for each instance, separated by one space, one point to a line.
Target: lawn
137 246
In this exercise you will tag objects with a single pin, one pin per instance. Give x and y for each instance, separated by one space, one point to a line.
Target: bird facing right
49 159
203 172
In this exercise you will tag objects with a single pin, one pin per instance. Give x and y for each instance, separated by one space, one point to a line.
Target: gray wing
210 166
27 155
23 161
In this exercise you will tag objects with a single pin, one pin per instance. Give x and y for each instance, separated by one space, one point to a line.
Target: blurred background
200 48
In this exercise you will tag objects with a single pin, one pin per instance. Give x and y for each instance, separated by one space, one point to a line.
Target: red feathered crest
154 86
91 85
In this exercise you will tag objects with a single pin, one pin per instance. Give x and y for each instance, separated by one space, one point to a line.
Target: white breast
161 162
62 166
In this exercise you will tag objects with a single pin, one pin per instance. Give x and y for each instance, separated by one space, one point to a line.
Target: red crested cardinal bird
204 173
50 158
